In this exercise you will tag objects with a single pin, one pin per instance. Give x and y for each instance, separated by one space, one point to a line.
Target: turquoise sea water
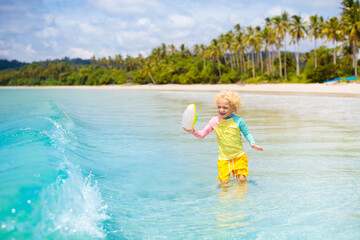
115 164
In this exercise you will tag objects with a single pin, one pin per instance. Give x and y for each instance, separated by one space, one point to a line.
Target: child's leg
224 171
241 168
241 178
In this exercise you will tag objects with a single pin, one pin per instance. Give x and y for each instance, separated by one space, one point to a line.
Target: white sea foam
74 205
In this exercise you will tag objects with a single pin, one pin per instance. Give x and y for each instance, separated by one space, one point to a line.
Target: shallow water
115 164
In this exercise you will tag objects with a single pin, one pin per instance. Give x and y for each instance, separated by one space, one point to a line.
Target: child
227 126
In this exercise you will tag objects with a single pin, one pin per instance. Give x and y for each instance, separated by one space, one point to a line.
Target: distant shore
342 89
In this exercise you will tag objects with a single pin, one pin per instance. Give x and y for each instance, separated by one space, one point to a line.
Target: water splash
73 205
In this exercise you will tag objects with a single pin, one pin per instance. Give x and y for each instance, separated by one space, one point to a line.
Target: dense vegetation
244 54
14 64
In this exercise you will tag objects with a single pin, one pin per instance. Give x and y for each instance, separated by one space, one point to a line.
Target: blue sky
34 30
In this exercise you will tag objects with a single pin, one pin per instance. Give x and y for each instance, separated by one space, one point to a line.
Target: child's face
224 108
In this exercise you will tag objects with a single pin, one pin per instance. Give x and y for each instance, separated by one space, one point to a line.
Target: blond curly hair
233 98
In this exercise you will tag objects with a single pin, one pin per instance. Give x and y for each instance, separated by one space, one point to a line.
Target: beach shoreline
352 89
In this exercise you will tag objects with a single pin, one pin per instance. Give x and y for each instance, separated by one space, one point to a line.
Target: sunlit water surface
115 164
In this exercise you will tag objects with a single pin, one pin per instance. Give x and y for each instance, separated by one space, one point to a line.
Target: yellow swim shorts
236 166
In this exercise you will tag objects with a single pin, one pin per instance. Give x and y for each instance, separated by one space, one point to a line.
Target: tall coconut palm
196 50
297 32
332 30
223 46
229 40
271 40
240 47
182 50
285 28
163 51
215 52
267 36
259 42
202 50
172 48
351 18
118 60
279 33
315 28
147 68
251 42
233 52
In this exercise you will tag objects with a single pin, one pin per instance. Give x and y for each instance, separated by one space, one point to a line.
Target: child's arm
206 130
248 136
203 133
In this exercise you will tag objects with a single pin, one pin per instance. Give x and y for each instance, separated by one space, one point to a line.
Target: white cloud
29 50
119 39
89 29
181 21
317 3
143 22
274 11
49 19
178 34
123 6
4 53
49 32
79 53
235 19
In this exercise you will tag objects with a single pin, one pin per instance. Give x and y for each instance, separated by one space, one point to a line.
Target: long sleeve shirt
228 132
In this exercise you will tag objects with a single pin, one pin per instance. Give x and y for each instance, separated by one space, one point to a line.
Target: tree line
244 54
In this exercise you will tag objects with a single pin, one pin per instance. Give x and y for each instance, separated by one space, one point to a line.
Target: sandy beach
326 89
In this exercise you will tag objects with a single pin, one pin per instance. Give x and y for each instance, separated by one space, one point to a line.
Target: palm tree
147 68
285 28
251 42
215 52
240 48
172 48
297 32
270 38
258 46
267 35
203 53
315 28
279 33
351 19
332 29
118 60
223 46
196 50
182 50
229 42
163 51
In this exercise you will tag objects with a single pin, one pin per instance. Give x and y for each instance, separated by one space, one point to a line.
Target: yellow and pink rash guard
228 132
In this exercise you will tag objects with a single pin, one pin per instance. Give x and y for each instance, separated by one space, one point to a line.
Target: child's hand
189 131
254 146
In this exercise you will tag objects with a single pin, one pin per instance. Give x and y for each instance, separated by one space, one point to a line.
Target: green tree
279 34
351 20
285 28
215 51
297 32
250 40
315 28
332 30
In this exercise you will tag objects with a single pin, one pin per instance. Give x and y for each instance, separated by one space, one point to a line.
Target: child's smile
224 108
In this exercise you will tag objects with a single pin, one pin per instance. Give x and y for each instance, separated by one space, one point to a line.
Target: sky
36 30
